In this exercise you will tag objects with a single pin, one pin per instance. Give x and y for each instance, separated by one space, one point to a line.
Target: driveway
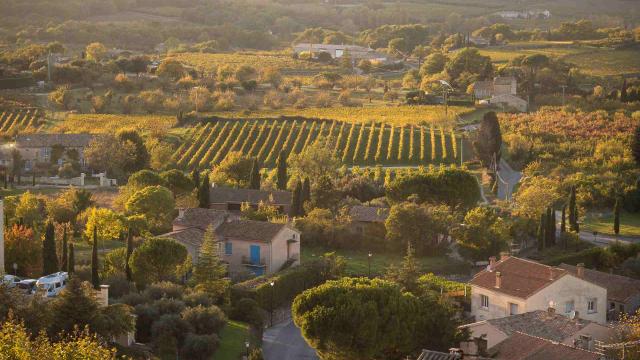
508 179
285 342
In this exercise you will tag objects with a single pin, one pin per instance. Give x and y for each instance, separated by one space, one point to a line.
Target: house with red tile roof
514 285
520 346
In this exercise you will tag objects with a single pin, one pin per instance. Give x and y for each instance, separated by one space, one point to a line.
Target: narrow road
507 180
601 240
285 342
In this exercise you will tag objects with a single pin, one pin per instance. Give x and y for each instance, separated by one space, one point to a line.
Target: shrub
168 333
199 347
247 310
168 306
164 289
118 285
133 299
204 320
196 298
323 100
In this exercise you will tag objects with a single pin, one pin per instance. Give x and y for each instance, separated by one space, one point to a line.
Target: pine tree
409 270
63 263
210 270
616 216
49 257
281 174
203 193
305 195
563 224
542 232
95 278
295 200
195 178
127 268
71 262
254 178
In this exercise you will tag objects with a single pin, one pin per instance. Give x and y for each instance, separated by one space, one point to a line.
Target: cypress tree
195 178
203 193
616 216
71 262
563 224
63 265
623 92
552 226
254 178
635 145
49 257
295 200
6 180
541 232
573 210
281 174
305 194
95 278
127 269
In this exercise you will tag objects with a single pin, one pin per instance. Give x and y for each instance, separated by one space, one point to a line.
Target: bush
168 306
167 329
83 272
196 298
118 285
205 320
199 347
247 310
133 299
164 289
67 171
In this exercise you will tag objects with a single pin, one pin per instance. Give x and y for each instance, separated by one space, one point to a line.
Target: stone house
513 286
508 101
231 199
623 293
496 87
35 148
247 246
368 220
337 51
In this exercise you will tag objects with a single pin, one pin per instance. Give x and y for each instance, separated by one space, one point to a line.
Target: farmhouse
623 293
496 87
368 220
247 246
513 286
508 101
34 148
337 51
224 198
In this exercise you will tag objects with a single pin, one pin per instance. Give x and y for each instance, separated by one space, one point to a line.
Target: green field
357 263
232 339
603 224
353 143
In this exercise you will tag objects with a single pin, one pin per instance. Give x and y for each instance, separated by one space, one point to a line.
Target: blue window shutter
228 248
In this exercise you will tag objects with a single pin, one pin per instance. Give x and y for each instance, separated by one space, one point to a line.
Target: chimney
551 274
504 255
498 279
580 270
551 310
492 262
102 295
180 212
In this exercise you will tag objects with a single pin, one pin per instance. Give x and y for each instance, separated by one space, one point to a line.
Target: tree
542 234
433 64
139 159
420 52
156 203
296 200
71 262
313 162
635 145
281 174
305 194
171 68
254 180
96 51
30 210
235 170
573 210
49 257
127 267
65 256
551 227
23 249
467 60
106 153
323 194
484 234
195 178
199 347
416 225
156 259
563 221
489 140
209 271
203 193
616 216
177 182
408 273
109 223
95 278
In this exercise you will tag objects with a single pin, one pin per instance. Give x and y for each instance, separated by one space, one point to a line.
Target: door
255 254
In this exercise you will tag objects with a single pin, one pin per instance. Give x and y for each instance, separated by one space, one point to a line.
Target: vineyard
261 59
354 143
105 123
19 120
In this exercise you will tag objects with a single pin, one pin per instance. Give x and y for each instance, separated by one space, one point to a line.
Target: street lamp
272 291
15 269
246 345
369 262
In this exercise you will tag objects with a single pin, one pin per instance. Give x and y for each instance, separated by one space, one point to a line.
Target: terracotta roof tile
524 347
201 218
368 213
48 140
619 288
249 230
191 236
520 278
540 323
252 196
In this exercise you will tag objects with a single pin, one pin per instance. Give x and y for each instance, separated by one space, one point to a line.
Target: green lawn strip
357 261
232 339
603 224
82 249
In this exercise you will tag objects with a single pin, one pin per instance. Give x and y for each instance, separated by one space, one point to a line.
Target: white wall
498 304
490 333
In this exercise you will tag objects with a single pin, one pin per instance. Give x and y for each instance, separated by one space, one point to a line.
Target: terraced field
355 143
19 120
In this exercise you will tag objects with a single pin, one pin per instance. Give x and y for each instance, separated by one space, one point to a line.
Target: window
569 306
513 309
592 306
228 248
621 308
484 301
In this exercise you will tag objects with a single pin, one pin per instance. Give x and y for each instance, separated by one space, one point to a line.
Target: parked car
10 280
52 284
27 285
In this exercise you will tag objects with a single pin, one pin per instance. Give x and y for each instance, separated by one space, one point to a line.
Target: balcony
246 261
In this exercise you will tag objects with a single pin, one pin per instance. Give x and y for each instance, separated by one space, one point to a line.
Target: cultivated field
259 59
106 123
20 119
354 143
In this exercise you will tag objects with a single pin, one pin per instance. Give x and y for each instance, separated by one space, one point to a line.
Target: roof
333 47
539 323
190 236
619 288
483 85
368 213
436 355
520 278
524 347
49 140
250 230
199 217
252 196
504 80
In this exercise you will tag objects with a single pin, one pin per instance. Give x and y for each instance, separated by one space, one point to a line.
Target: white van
51 285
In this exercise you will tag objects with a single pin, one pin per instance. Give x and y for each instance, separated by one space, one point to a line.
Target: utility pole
563 88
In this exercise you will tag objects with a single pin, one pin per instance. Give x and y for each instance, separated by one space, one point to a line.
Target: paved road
508 179
602 240
284 342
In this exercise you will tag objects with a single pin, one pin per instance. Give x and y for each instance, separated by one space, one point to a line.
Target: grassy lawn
232 338
82 249
358 265
603 223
